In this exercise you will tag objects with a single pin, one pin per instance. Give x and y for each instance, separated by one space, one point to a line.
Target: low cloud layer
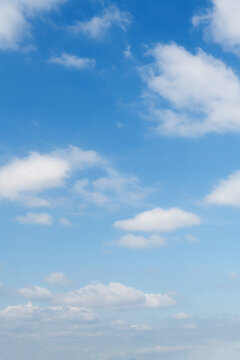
113 295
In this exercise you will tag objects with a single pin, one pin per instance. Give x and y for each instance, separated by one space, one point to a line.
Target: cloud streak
71 61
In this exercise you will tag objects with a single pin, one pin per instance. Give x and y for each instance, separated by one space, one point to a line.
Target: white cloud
48 314
227 192
23 178
128 53
72 61
56 278
98 26
30 180
35 292
38 219
159 220
202 92
182 316
15 19
222 23
114 295
140 242
110 190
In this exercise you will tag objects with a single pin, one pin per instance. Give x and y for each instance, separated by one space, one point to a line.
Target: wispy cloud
15 19
38 219
98 26
56 278
30 179
72 61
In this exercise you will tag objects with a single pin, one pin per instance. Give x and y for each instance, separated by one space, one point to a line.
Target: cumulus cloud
159 220
227 192
38 219
98 26
56 278
114 295
29 178
221 23
35 292
202 92
72 61
15 19
140 242
23 178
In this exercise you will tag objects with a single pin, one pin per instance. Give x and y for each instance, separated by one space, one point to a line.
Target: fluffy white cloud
38 219
35 292
140 242
159 220
202 92
30 179
48 314
98 26
114 295
227 192
56 278
72 61
23 178
222 23
15 19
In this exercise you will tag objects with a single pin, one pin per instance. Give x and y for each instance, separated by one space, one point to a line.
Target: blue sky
119 179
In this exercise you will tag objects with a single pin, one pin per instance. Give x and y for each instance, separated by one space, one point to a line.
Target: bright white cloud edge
159 220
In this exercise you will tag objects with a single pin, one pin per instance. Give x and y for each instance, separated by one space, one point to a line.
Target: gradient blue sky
119 179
